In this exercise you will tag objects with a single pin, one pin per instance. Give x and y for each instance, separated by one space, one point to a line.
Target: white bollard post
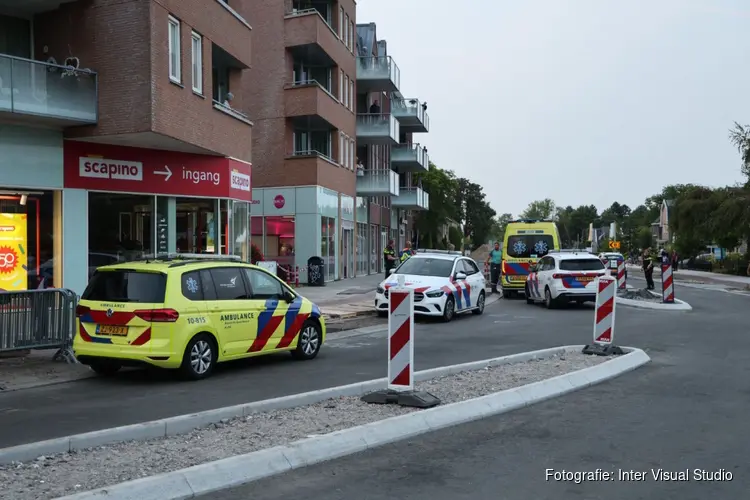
604 318
400 341
400 344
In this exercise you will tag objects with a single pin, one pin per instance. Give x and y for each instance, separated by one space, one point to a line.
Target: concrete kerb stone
679 305
234 471
185 423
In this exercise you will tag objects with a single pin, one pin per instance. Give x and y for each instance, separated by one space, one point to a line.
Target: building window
341 22
197 63
346 31
351 36
346 152
341 148
174 50
351 154
341 86
346 91
351 95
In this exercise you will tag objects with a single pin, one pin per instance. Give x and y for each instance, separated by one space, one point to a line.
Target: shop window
362 246
328 245
229 283
280 240
256 233
27 241
240 230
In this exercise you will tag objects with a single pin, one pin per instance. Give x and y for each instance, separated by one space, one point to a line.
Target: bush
455 236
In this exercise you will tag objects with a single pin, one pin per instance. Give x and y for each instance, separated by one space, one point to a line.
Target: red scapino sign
102 167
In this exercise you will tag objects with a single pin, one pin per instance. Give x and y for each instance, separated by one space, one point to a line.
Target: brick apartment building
331 176
127 127
123 131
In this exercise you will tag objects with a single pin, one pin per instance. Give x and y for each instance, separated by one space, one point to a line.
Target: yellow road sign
614 245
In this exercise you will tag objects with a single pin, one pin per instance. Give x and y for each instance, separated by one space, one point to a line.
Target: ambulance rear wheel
105 368
506 294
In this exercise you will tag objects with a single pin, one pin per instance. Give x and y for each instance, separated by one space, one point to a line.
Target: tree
540 209
739 136
474 212
691 220
498 226
573 224
442 186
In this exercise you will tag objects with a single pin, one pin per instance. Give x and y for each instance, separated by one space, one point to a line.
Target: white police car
444 283
564 276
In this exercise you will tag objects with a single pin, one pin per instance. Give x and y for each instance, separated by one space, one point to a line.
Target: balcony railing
377 128
383 182
377 73
36 88
410 158
411 199
411 114
313 152
235 113
312 82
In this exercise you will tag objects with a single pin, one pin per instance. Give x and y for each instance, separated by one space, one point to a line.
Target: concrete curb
679 305
182 424
234 471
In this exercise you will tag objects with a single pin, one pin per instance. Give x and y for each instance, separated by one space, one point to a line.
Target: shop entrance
196 226
121 226
348 253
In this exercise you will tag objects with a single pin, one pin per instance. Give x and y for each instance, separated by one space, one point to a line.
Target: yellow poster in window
13 257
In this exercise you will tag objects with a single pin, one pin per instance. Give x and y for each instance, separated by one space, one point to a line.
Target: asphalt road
687 409
507 327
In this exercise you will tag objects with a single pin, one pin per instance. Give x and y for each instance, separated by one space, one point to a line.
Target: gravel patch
639 294
58 475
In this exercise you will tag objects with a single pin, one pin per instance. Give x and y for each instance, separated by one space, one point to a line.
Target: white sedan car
444 283
564 276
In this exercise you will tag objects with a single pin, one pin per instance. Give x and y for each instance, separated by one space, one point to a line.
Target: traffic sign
614 245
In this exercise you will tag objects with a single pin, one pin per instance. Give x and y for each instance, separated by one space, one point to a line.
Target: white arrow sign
167 173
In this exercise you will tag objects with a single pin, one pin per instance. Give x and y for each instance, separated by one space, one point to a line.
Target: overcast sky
581 101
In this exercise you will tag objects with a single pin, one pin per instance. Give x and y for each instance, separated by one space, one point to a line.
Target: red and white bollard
621 279
400 389
400 335
296 276
667 284
604 318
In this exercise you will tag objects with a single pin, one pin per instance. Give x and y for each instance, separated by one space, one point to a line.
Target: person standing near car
648 268
406 252
495 260
389 257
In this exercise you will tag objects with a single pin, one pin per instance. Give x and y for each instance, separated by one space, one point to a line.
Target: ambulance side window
207 285
191 286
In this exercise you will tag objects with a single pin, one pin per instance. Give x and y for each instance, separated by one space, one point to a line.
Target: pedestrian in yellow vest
389 257
406 252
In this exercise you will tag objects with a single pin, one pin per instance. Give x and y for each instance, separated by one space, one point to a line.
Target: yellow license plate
112 330
585 279
517 278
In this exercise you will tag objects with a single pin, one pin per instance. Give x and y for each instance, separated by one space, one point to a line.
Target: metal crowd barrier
38 319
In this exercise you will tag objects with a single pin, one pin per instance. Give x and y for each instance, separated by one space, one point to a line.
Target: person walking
675 261
495 260
648 268
389 257
406 252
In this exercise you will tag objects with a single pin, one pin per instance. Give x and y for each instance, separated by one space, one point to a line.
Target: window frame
249 284
175 68
196 59
245 284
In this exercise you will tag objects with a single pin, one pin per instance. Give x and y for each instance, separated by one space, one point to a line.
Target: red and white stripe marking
604 313
401 339
667 284
621 281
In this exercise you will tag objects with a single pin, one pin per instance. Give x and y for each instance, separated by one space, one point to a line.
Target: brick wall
126 43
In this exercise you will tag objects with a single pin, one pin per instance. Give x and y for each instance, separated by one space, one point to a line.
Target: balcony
310 105
409 158
40 93
30 7
411 199
309 37
411 115
377 128
377 183
376 74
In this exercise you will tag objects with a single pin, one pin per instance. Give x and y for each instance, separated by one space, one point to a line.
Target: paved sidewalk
702 275
37 368
345 298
